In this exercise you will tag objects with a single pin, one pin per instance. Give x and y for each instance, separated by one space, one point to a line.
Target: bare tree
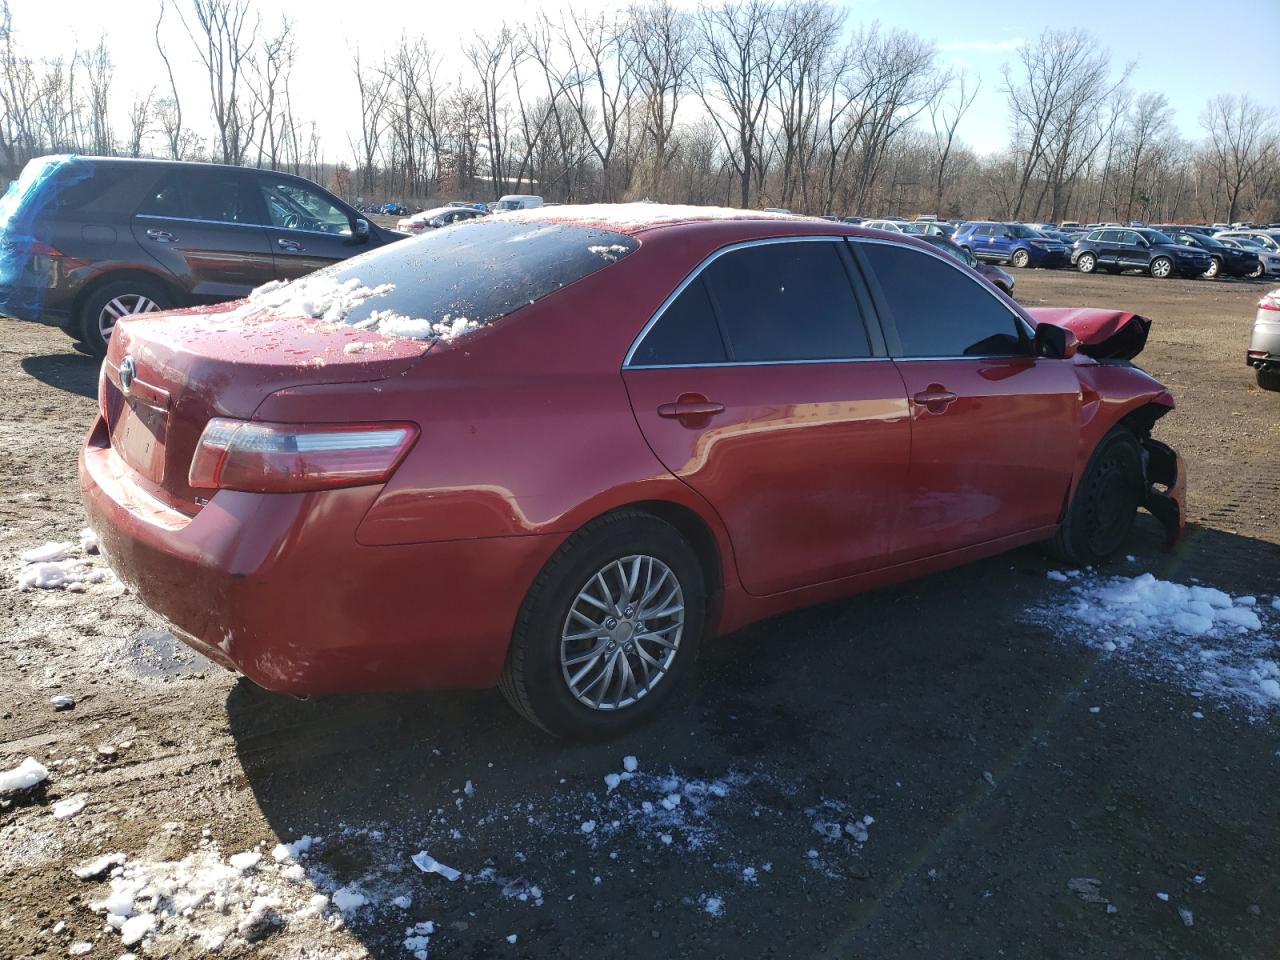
661 54
139 123
171 115
224 37
372 85
944 118
494 58
1243 141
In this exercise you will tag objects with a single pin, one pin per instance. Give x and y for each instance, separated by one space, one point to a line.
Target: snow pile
23 777
636 216
62 565
319 296
323 297
1199 637
611 252
208 900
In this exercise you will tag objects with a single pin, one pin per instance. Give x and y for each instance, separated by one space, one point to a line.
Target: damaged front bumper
1166 486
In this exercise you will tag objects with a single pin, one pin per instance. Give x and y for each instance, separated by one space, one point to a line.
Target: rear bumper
276 586
1166 489
1264 344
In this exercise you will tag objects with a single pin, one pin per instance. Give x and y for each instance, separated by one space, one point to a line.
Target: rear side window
476 271
939 310
84 195
786 301
685 333
199 194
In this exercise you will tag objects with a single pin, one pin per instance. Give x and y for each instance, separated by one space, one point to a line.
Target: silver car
1268 240
1264 343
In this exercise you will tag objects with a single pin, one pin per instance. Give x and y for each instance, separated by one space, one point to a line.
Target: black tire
1214 271
148 295
1161 268
533 680
1105 504
1086 263
1258 272
1269 379
1020 259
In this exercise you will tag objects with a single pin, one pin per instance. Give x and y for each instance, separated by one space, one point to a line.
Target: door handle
935 399
291 245
690 408
161 236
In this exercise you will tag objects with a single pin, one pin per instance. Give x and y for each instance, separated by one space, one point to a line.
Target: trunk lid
1103 334
166 376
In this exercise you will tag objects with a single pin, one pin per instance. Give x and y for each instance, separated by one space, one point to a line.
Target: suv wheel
113 300
1020 258
608 630
1215 268
1086 263
1161 267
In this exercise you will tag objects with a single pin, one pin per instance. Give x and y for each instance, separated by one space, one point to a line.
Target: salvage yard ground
1010 759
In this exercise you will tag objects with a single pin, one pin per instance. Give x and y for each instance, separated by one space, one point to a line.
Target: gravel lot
926 771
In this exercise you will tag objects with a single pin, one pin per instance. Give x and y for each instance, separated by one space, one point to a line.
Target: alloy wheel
1214 267
124 305
1161 268
622 632
1020 258
1086 263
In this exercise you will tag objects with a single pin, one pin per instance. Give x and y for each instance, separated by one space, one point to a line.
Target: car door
1106 247
307 228
205 225
994 429
1135 252
763 384
1001 242
983 242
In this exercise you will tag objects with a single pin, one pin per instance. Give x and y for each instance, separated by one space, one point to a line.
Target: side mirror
1054 342
360 228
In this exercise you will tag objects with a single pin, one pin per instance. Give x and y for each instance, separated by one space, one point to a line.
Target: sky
1182 52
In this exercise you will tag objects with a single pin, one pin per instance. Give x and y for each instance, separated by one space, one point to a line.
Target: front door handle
161 236
936 399
291 245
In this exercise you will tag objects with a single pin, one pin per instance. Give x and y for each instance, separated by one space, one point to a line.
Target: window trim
875 337
890 326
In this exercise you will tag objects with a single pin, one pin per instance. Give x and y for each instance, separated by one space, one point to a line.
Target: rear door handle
291 245
161 236
935 399
690 408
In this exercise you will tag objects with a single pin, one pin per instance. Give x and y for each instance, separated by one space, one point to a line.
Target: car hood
1181 248
1103 334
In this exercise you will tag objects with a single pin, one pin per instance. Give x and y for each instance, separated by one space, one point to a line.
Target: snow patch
23 777
1200 638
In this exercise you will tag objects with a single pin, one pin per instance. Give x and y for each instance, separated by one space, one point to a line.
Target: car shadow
997 760
73 372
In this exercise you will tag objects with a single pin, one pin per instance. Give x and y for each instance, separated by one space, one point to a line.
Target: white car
890 226
1264 342
517 201
434 219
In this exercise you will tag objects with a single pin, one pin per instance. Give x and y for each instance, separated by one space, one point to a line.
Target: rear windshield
472 273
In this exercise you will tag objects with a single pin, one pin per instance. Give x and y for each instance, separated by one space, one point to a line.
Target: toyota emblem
128 370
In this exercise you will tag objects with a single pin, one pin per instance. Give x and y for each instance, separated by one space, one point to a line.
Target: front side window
787 301
939 310
295 206
216 196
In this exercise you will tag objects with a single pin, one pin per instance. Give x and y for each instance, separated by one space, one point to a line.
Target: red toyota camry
557 450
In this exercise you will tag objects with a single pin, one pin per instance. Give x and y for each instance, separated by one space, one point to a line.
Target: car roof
632 218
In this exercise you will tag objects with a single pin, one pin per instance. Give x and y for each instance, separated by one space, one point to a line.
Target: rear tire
1269 379
1086 263
1105 504
117 298
536 679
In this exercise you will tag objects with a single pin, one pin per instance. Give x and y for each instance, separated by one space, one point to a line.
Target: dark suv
86 240
1116 249
1013 243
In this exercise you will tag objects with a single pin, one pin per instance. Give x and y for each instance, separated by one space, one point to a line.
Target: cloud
982 46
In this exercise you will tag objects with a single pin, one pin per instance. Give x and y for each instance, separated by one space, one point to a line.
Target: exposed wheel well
699 536
114 276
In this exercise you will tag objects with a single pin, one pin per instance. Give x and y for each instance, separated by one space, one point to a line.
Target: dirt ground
998 760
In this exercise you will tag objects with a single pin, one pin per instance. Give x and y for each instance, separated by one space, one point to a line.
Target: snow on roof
633 217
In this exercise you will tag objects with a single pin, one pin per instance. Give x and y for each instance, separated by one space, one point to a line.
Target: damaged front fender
1103 334
1166 488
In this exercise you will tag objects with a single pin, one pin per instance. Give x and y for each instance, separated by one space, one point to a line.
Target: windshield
507 205
1155 236
1024 232
471 274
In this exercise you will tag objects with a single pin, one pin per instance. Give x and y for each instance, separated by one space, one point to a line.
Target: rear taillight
1269 302
291 457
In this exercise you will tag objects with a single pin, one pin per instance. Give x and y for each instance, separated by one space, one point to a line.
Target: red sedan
557 450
